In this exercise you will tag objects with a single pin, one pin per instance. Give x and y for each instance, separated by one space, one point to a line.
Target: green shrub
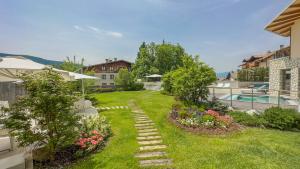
248 120
93 133
183 114
283 119
49 102
217 106
98 123
136 87
94 100
208 118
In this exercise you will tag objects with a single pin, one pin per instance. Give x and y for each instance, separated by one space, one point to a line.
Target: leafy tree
72 65
77 66
168 57
125 81
144 63
45 115
258 74
157 59
190 81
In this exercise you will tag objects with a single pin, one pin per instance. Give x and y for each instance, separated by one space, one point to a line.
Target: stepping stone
144 124
126 107
117 107
107 108
148 138
141 117
149 134
121 107
158 162
151 154
154 147
152 142
147 130
144 127
144 121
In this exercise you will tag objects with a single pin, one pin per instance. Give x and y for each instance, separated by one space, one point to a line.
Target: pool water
258 99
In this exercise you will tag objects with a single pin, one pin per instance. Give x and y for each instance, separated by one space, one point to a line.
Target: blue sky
222 32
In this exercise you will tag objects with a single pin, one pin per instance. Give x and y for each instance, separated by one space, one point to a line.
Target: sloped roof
282 24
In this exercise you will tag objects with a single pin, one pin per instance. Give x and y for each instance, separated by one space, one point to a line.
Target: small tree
45 116
124 79
190 81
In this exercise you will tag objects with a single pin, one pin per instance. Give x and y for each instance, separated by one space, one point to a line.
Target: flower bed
204 121
94 133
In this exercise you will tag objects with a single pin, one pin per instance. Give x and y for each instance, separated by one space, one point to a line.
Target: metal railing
252 98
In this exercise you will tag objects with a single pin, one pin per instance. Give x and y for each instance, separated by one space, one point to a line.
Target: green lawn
252 148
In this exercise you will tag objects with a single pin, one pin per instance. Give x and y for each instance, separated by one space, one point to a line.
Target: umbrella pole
82 84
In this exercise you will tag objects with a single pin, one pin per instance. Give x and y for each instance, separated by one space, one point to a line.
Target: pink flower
95 132
212 113
94 142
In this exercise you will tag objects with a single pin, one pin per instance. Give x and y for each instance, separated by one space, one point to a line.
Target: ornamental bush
190 81
45 116
93 133
283 119
247 119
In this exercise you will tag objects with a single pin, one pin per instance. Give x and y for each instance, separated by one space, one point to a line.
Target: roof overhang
282 24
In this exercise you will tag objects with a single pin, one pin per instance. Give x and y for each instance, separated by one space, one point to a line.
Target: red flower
212 113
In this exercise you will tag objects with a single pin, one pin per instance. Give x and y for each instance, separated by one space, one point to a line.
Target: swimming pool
260 99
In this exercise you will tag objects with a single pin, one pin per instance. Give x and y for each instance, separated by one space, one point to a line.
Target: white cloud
93 28
99 31
115 34
78 28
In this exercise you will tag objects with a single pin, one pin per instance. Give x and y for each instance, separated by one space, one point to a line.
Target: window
112 76
103 76
103 67
103 84
112 84
111 68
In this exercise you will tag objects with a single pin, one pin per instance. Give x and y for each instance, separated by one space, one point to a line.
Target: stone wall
275 75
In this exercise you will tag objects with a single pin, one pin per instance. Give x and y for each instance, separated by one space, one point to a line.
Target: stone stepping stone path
151 147
113 107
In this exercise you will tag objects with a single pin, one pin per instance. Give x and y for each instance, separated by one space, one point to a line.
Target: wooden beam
291 12
287 17
274 24
284 31
282 27
295 5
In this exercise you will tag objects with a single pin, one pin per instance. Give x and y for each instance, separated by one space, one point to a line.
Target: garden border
235 128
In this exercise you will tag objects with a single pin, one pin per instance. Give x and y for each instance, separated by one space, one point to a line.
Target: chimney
269 51
115 59
281 46
106 60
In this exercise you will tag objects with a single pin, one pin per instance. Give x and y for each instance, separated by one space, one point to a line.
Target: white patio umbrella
77 76
12 67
